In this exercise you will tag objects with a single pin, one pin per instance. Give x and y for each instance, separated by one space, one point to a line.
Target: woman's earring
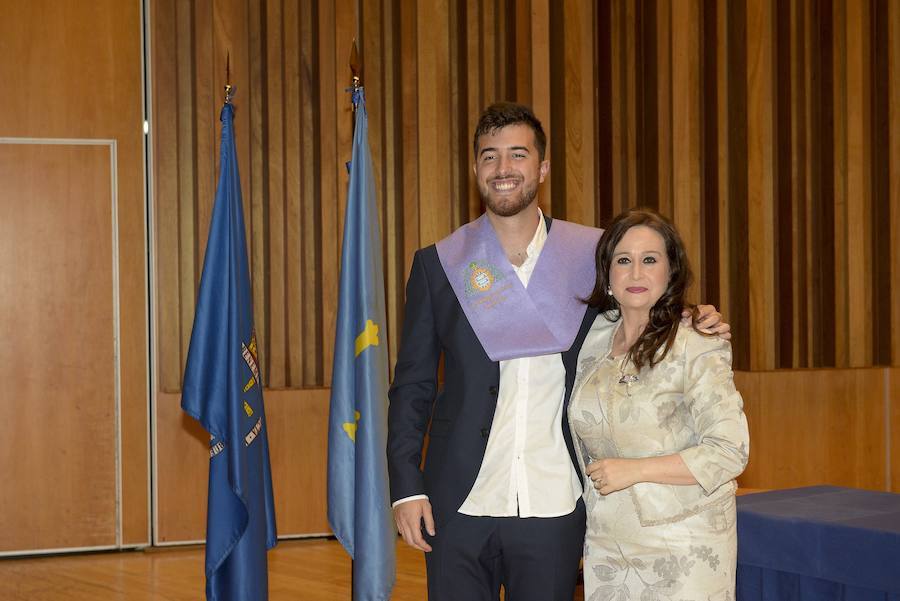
609 290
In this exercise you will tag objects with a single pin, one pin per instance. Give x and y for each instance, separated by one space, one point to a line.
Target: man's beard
511 205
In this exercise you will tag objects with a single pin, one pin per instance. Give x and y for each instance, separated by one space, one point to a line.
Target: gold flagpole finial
355 81
229 89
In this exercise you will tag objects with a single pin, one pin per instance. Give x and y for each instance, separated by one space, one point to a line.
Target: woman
659 427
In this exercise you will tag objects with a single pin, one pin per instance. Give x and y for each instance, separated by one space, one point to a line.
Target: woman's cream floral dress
659 541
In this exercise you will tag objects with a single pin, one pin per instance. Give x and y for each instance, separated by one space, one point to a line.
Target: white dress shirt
526 470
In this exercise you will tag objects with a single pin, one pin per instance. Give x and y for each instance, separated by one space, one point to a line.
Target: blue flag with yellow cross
223 391
358 503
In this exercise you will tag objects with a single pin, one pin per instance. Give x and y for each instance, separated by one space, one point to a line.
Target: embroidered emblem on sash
480 277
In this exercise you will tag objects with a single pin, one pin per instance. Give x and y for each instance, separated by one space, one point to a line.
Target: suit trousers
533 559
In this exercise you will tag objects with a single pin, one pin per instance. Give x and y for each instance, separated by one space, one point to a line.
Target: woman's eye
649 259
622 261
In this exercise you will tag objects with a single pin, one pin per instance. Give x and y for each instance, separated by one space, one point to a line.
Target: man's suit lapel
570 362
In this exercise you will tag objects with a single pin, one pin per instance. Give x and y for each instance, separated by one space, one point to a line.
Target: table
818 543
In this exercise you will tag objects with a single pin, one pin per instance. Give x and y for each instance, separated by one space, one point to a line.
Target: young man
499 501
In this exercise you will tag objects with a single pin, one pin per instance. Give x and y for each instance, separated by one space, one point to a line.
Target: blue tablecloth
818 543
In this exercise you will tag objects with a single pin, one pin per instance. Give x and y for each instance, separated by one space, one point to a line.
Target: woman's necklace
623 377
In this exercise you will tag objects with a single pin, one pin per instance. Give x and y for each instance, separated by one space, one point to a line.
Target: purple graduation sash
512 321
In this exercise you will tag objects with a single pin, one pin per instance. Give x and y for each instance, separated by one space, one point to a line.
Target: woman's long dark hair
666 313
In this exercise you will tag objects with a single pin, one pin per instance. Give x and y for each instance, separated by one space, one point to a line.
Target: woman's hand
610 475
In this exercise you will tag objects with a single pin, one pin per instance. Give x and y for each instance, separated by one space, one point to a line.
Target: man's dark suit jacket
461 414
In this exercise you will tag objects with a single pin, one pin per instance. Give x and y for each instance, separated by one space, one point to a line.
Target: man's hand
409 517
708 321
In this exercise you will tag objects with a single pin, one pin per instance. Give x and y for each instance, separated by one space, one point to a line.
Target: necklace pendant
628 379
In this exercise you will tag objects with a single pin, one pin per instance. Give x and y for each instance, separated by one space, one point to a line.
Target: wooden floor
308 570
317 570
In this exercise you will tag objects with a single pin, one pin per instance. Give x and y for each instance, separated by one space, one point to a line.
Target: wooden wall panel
185 246
520 43
64 398
794 348
841 200
620 102
892 415
686 133
761 179
725 297
168 215
859 156
471 43
73 71
664 123
893 128
254 114
434 107
579 105
808 191
812 427
392 225
275 323
181 467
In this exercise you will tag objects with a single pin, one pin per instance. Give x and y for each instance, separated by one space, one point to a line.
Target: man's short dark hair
502 114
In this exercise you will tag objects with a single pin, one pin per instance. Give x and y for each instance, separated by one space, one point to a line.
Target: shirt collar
540 237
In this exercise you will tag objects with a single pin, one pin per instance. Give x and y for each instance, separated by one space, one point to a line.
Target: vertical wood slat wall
768 132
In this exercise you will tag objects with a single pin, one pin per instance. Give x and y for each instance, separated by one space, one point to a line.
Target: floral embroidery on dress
618 569
672 567
669 417
706 554
594 439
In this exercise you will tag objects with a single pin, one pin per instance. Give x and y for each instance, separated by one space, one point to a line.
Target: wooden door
73 277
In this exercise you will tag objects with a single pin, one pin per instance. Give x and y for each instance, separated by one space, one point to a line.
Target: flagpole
355 85
358 499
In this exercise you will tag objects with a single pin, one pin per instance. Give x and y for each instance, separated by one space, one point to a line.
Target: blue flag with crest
358 504
223 391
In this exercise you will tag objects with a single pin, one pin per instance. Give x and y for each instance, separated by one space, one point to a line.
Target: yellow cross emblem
349 428
368 337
